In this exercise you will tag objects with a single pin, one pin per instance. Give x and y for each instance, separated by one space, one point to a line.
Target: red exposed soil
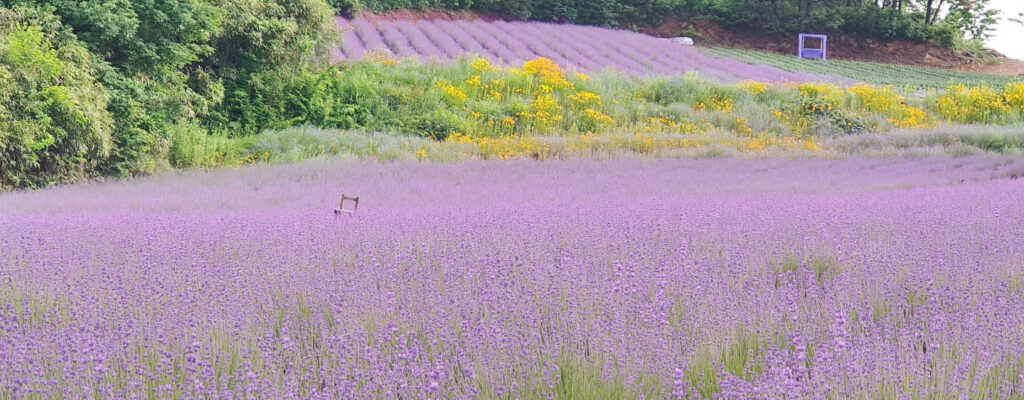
1008 66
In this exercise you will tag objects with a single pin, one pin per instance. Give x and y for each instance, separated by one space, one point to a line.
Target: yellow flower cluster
913 117
820 98
764 142
815 108
753 87
660 124
548 71
585 99
973 104
886 101
741 127
546 110
481 64
381 57
1014 95
826 92
599 117
504 112
504 147
534 99
716 102
794 121
452 93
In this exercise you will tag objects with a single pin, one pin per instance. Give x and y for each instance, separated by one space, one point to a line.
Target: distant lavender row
831 279
583 48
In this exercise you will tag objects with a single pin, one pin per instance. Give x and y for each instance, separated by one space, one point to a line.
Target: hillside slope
581 48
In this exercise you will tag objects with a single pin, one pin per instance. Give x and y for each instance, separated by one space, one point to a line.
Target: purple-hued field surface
578 279
581 48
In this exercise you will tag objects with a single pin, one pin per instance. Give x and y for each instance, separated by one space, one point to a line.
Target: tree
973 17
53 111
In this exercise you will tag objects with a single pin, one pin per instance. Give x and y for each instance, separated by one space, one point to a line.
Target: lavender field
623 279
581 48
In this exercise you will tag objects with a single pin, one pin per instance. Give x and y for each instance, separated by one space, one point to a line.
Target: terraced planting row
581 48
903 76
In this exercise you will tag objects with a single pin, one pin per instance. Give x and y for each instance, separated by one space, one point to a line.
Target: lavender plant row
616 279
583 48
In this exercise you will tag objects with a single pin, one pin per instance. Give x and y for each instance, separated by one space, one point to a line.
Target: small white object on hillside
685 41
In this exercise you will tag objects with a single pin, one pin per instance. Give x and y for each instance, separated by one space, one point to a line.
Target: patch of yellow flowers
599 117
886 101
717 101
1014 95
511 108
503 147
981 104
548 71
452 93
753 87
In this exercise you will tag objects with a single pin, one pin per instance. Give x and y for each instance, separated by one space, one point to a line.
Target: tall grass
472 108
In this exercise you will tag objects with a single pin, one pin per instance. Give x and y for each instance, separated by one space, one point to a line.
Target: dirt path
1009 66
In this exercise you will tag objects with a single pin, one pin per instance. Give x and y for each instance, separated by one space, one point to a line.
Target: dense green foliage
113 86
475 98
917 20
472 109
52 110
903 76
125 87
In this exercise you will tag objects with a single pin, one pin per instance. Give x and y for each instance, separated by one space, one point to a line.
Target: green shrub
347 8
438 124
192 147
54 125
163 64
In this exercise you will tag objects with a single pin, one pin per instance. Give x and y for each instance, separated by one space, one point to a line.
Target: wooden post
341 207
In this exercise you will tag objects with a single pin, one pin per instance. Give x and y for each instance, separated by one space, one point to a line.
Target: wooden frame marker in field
819 53
341 207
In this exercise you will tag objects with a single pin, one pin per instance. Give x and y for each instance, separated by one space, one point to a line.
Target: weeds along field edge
473 108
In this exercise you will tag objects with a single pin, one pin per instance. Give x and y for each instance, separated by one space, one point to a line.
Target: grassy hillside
902 76
475 109
581 48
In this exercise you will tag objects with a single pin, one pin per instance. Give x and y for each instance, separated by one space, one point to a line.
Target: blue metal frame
818 53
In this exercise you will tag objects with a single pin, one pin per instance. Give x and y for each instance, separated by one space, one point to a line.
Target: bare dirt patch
1008 66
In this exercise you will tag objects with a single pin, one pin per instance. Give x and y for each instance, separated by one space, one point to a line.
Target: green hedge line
104 87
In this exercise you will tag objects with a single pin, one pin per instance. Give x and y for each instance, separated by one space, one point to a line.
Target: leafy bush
346 8
155 66
438 124
193 147
472 100
54 125
974 105
266 47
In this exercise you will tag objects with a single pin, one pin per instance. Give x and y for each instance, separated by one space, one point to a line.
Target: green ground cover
898 75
